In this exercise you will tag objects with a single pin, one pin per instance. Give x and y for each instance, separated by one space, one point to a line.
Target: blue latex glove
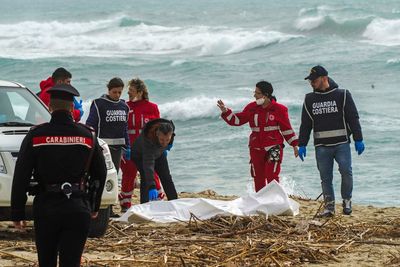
165 152
153 194
359 145
127 154
78 106
302 152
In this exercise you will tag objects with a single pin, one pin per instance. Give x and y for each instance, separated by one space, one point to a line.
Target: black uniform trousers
61 228
116 154
162 169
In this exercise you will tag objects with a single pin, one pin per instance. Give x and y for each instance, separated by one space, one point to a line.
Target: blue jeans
325 155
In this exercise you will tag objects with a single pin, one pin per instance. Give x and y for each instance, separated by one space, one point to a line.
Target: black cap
315 72
63 91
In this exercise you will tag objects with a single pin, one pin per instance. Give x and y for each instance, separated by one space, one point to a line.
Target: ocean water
192 53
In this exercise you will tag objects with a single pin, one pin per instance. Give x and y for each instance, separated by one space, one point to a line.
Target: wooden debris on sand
238 241
231 241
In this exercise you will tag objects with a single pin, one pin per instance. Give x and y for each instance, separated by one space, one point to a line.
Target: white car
21 109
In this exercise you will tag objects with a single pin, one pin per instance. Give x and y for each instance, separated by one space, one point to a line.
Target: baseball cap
63 91
315 72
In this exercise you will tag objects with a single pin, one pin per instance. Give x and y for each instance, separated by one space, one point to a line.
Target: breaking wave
383 32
122 36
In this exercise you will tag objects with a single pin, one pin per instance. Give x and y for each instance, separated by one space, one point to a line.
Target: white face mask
260 101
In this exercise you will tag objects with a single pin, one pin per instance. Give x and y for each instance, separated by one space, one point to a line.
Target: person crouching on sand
269 123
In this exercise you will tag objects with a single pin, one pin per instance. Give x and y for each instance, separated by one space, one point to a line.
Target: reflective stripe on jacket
269 125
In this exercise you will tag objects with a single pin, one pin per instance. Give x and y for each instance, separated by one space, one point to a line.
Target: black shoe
326 213
347 207
113 214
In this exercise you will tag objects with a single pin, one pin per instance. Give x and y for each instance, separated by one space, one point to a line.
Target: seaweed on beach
236 241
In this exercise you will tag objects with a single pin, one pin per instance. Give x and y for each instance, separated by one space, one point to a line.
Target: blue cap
315 72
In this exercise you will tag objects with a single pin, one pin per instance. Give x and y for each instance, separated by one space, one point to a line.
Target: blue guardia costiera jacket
332 115
110 120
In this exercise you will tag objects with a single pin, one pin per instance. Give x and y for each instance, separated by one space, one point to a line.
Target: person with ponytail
270 126
141 111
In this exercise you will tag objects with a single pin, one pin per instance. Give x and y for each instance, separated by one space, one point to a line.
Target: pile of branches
237 241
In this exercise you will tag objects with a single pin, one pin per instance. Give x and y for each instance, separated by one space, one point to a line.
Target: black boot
347 206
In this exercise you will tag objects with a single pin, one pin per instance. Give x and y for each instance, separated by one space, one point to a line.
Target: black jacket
332 115
147 149
54 153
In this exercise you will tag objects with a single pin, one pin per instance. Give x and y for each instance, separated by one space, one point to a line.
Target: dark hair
60 74
266 89
165 128
115 82
140 86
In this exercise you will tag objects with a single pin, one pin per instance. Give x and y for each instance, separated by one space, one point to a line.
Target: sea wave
393 61
330 24
383 32
331 20
198 107
123 36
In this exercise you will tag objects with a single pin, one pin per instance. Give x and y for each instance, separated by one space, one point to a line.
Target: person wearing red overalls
141 111
270 125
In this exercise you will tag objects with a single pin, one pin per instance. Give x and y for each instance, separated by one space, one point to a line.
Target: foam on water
383 32
116 37
198 107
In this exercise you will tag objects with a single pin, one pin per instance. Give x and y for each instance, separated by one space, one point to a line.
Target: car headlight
2 165
107 156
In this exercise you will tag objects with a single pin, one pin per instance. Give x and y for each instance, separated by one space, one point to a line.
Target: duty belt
66 188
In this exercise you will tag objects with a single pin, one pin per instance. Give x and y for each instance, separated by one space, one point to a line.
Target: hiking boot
326 213
347 207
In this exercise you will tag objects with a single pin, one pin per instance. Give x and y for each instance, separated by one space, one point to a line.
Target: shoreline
368 237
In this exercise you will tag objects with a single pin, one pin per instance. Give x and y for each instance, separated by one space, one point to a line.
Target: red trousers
262 170
129 172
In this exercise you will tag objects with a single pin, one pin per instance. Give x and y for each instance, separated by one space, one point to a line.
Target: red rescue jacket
45 85
269 126
140 113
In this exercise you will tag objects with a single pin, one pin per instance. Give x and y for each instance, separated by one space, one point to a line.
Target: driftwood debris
229 241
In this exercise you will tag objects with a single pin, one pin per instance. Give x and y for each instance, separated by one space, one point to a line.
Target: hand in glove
359 145
302 152
78 106
165 152
127 155
153 194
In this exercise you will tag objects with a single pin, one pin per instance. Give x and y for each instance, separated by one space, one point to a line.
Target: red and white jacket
140 113
45 86
269 125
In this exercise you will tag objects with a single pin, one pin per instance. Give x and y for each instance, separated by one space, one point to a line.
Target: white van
21 109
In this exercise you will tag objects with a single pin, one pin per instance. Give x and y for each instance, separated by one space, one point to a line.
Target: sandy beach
369 237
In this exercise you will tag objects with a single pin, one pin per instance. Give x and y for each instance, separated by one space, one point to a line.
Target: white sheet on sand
271 200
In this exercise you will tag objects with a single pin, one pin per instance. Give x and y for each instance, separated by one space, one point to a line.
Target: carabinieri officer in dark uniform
59 155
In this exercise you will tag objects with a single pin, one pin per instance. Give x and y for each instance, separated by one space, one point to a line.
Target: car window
19 105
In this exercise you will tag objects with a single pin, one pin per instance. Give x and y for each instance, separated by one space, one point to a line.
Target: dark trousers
116 154
162 169
62 234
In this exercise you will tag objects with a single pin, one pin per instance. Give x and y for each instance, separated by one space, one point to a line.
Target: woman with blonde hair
141 111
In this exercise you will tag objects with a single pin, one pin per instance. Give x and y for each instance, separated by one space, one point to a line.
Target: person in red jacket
141 111
59 76
270 125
